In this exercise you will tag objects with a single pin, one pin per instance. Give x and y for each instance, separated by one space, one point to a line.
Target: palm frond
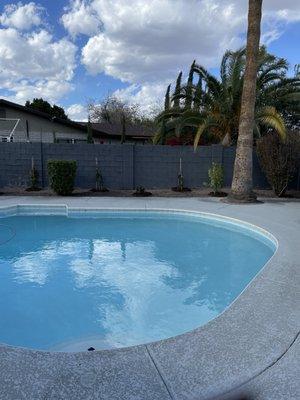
269 117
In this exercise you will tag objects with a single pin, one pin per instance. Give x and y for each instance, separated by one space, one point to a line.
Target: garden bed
196 192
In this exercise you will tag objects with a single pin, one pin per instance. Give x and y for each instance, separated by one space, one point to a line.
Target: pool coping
245 340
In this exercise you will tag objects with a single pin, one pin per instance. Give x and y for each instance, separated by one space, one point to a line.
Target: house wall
122 166
43 130
39 129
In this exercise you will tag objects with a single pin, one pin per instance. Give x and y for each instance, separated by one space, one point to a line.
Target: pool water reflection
71 283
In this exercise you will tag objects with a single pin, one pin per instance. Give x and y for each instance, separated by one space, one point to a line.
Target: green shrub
279 160
34 178
61 176
216 177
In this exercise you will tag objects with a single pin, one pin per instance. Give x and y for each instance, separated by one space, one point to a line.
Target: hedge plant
279 160
62 176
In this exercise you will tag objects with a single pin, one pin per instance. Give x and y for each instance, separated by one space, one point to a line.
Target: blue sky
73 51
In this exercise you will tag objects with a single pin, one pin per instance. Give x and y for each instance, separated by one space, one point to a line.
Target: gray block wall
122 166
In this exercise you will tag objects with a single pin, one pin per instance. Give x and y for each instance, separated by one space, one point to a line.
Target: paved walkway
252 349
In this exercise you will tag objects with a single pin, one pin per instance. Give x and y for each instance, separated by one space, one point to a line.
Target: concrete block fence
122 166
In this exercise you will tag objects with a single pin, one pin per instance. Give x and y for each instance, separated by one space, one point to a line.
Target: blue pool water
118 280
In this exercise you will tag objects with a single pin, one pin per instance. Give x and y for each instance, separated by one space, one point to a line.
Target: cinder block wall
122 166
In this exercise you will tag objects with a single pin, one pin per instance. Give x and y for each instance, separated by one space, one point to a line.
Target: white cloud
34 64
146 43
25 89
80 18
21 16
287 10
35 55
77 112
149 96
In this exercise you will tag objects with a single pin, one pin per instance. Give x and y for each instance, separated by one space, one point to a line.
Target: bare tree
115 111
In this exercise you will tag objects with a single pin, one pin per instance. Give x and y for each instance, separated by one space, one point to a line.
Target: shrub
34 178
61 176
216 177
99 180
279 160
141 192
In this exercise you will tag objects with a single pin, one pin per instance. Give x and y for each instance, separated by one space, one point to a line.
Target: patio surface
251 350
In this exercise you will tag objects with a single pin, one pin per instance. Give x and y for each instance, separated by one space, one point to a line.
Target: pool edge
155 347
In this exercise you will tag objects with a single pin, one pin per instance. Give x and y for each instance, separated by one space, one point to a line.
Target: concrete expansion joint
159 372
272 364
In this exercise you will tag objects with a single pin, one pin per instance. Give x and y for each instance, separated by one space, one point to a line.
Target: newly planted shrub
141 192
33 178
180 181
61 176
279 160
99 182
216 178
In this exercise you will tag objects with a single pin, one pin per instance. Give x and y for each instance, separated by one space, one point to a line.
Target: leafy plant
141 192
210 109
99 187
216 178
62 176
180 182
33 178
279 160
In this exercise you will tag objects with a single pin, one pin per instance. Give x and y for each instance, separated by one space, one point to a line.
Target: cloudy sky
71 51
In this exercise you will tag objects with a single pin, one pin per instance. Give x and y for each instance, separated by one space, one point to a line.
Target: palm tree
216 102
242 185
215 109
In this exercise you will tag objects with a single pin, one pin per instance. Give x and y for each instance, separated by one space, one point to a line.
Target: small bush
33 180
141 192
279 160
216 178
61 176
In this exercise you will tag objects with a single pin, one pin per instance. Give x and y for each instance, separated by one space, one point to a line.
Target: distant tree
115 111
44 106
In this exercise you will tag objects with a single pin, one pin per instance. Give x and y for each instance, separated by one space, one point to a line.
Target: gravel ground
196 192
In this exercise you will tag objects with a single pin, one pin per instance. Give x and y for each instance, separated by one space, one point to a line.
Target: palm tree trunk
241 189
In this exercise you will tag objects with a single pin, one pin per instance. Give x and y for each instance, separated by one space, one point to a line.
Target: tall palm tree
216 103
242 184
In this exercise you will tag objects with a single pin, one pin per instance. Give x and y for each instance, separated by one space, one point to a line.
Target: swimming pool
115 279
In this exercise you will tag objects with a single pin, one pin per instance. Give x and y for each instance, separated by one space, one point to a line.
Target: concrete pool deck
252 349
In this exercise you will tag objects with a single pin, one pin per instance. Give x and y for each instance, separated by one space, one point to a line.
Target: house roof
104 129
136 131
32 111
